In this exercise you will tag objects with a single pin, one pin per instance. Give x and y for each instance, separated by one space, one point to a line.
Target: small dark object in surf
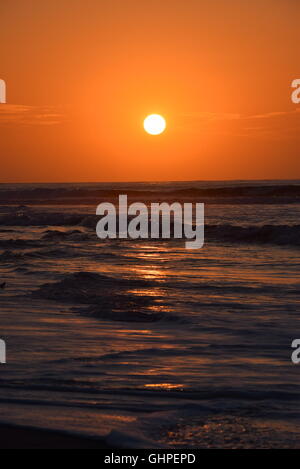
3 285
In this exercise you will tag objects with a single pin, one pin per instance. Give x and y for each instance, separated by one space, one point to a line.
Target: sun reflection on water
165 386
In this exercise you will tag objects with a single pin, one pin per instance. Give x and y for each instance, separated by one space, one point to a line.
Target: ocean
144 343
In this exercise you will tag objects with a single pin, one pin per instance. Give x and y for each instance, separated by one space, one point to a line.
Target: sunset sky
82 75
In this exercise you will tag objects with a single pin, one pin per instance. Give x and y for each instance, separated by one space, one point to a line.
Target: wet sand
233 432
216 433
25 438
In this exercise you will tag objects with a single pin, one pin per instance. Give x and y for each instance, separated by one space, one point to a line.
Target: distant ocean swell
145 192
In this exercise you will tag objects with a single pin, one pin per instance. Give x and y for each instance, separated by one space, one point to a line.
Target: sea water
118 337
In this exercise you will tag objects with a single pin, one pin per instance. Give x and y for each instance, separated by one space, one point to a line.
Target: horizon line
152 181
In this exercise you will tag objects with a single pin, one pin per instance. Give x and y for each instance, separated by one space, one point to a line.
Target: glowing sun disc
155 124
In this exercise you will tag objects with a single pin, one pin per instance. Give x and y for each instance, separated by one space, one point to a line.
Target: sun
155 124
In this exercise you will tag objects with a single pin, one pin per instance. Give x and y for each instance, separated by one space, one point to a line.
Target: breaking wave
108 297
288 235
266 234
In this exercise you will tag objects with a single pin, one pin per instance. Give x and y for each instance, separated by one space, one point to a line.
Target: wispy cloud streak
17 114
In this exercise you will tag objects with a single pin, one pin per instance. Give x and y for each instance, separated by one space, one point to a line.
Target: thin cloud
270 115
211 116
18 114
276 125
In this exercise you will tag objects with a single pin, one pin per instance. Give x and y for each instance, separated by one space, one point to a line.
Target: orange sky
82 75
